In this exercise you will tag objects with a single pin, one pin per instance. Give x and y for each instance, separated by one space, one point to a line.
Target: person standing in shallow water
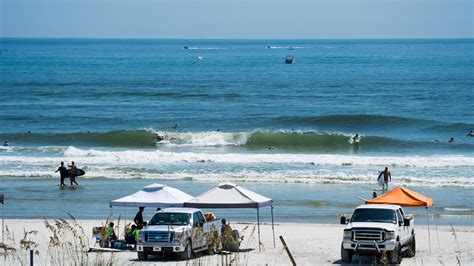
73 170
63 173
387 177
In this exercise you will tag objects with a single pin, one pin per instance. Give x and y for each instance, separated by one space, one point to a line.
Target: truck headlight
177 237
141 236
390 235
347 233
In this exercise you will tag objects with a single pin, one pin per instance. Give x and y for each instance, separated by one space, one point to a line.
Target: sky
237 19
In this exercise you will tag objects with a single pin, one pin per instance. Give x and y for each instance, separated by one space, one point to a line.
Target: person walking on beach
63 173
139 218
73 170
387 177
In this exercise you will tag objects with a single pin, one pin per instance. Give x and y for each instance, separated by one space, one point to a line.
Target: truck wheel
188 251
142 256
411 249
395 257
346 255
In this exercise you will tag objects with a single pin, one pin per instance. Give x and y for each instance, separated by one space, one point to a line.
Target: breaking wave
317 141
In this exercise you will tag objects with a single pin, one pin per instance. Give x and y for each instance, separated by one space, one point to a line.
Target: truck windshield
170 218
374 215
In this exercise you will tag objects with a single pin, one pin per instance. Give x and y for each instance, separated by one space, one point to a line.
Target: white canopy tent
230 195
154 195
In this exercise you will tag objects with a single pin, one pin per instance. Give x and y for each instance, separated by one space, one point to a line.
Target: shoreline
293 203
310 244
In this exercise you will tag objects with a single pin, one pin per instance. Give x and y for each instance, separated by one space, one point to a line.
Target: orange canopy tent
405 197
402 196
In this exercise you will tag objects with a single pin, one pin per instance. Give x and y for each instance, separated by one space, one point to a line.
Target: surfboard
79 172
380 181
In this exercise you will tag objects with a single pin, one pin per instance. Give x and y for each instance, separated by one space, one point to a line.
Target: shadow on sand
168 257
362 260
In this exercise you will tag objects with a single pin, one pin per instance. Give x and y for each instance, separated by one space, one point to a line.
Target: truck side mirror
343 220
406 221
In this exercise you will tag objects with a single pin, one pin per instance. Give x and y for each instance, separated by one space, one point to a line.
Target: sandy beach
310 244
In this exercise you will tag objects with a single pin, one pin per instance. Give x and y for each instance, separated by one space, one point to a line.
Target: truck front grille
159 237
365 234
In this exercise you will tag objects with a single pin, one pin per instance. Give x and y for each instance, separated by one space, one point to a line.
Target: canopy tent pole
3 220
273 227
3 227
428 220
258 227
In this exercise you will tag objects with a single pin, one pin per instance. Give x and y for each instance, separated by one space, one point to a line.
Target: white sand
311 244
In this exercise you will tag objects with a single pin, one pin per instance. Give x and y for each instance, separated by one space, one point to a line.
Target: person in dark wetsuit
139 218
159 137
63 172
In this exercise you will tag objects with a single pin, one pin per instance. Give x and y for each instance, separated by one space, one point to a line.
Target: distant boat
290 60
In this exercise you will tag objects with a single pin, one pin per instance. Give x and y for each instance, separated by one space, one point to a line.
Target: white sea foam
457 209
435 161
203 139
436 171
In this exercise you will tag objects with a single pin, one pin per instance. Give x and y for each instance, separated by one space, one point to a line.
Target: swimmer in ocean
5 144
451 140
470 134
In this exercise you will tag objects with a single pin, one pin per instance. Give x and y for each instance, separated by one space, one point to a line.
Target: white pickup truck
378 228
178 230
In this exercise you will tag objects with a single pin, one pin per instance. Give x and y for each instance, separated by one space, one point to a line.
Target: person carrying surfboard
387 177
63 173
73 173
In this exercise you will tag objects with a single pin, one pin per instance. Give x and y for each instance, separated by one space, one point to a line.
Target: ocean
232 110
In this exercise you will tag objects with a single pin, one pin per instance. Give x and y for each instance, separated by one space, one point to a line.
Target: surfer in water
470 134
63 172
387 177
158 137
73 173
356 139
5 144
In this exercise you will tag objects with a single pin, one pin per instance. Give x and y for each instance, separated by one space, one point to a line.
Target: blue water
101 102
